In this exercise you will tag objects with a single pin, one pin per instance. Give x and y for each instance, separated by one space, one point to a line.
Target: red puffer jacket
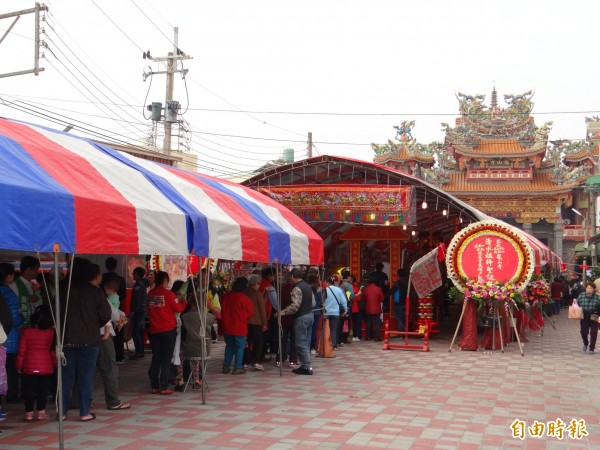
236 311
36 354
373 296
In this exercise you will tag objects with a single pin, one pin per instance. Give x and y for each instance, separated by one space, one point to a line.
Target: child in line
36 361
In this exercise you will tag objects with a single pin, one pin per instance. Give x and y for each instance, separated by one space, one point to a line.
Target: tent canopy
84 197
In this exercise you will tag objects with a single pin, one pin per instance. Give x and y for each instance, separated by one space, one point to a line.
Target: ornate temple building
498 160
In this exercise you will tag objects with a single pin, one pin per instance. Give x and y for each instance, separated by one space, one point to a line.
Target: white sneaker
258 367
313 352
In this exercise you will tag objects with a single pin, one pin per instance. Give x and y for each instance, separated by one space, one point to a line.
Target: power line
245 112
118 27
315 113
155 26
91 72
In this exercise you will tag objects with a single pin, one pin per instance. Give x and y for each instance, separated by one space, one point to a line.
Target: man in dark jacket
303 302
398 293
137 311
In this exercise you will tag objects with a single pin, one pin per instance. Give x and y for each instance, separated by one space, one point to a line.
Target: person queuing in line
303 302
271 335
193 340
22 286
36 361
7 325
236 311
7 275
137 311
346 321
335 307
313 280
257 324
87 311
288 343
210 297
150 280
357 312
162 305
399 292
380 278
107 362
121 291
373 296
589 302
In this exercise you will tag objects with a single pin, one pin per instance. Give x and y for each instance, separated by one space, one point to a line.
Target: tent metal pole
279 330
59 354
407 308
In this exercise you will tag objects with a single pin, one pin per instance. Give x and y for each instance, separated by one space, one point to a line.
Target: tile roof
404 155
541 183
499 147
582 154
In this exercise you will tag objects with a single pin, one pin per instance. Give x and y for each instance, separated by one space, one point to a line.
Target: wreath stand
495 320
546 319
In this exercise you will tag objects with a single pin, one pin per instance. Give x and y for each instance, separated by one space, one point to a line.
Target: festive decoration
425 315
490 251
488 293
538 291
348 203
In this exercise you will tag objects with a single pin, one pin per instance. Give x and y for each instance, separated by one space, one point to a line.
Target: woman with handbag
589 302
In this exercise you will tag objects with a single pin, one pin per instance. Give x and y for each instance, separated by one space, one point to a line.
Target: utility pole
171 106
309 145
36 58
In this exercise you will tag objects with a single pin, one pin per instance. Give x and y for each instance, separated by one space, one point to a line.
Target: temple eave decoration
523 209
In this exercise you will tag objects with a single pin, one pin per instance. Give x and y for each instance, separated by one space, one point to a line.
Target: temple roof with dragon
499 161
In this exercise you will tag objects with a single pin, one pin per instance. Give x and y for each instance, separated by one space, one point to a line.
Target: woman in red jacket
236 310
162 306
36 361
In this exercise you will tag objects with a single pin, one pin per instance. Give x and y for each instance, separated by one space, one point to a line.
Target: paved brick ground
364 398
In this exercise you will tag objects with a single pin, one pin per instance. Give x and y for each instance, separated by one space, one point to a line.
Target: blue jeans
302 331
400 312
234 347
313 336
162 345
81 365
557 305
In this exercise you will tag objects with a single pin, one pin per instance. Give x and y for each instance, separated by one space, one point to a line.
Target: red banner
425 273
347 203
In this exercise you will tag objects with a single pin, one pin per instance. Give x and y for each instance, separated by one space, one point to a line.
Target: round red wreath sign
489 251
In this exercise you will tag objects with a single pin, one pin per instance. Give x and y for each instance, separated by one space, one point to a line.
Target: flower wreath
494 228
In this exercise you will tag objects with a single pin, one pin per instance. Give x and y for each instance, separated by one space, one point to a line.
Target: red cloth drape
537 321
468 340
522 324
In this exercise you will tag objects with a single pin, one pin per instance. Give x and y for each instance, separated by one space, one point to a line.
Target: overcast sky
262 70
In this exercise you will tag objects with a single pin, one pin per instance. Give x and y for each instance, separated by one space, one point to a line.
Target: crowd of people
177 318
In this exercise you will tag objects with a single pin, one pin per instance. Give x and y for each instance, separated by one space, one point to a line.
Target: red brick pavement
363 398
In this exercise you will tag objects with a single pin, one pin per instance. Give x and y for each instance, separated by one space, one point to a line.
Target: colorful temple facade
499 161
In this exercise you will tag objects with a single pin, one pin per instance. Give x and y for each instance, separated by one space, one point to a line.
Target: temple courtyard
363 398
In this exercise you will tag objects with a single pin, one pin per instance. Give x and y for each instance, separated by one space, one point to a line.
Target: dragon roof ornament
479 122
403 141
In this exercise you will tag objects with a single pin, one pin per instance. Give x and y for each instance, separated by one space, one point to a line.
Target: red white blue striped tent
56 188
